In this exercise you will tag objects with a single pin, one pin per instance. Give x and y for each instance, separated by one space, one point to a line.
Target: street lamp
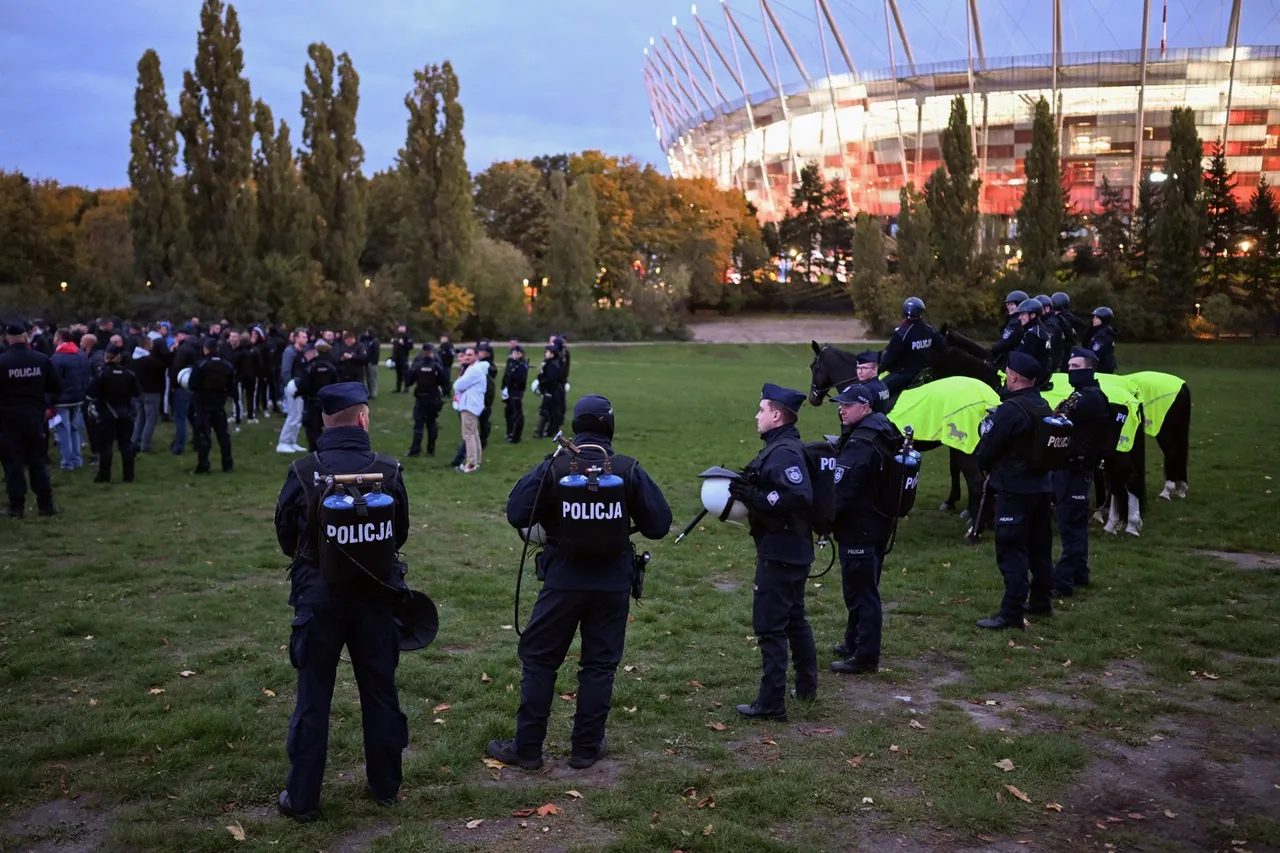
1197 309
64 287
1245 245
148 284
366 282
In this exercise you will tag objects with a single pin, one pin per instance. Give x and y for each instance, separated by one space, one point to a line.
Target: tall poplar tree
571 249
915 239
1178 232
1041 210
952 195
156 215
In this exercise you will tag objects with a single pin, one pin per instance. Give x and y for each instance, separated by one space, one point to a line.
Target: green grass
135 583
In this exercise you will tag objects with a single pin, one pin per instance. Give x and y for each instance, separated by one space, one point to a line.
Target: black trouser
24 450
311 422
557 616
1071 496
211 417
860 565
899 380
401 367
1024 545
551 414
486 426
114 431
368 630
249 391
91 430
514 412
426 413
778 619
263 388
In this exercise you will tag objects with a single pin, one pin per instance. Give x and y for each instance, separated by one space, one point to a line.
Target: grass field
1143 715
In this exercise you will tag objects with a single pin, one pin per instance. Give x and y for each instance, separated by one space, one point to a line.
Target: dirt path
780 330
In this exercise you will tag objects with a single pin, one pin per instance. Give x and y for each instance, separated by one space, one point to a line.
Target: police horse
835 368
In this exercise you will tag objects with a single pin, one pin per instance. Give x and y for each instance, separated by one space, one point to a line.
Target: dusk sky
538 76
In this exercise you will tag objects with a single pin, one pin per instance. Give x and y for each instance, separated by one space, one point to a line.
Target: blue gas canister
357 535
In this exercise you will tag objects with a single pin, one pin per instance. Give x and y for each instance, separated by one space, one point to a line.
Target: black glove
740 489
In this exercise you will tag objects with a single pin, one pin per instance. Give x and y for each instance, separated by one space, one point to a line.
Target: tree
511 206
450 304
1111 224
496 273
1222 220
915 238
1040 213
104 257
837 224
1142 229
330 164
1179 226
216 124
156 214
869 270
571 250
801 228
952 196
1264 228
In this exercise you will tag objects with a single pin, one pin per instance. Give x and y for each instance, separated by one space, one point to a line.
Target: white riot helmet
291 390
184 376
390 364
534 535
716 499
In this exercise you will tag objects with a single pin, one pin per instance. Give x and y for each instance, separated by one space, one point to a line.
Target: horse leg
974 483
1134 525
953 496
1113 517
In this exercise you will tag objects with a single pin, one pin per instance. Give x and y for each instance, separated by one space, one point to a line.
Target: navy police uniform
551 387
1010 338
401 349
515 376
1103 343
586 589
320 372
113 393
331 612
861 531
776 489
912 348
1023 526
445 353
28 385
211 382
1037 342
1092 421
879 391
430 383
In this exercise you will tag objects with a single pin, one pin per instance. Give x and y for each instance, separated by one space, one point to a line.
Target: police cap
1085 353
518 348
188 328
868 357
15 328
114 349
211 343
341 396
427 346
593 413
784 397
1024 365
855 393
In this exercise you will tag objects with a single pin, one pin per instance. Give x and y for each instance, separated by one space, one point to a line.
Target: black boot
758 712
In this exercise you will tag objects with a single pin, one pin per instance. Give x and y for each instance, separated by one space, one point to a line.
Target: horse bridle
813 383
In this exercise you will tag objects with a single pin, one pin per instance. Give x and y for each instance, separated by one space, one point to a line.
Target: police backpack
1050 442
820 459
590 502
351 520
900 463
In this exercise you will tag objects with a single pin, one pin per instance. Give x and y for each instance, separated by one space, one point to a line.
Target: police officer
776 490
320 373
1102 339
914 346
485 353
1023 527
186 353
588 563
861 529
550 385
211 381
351 358
869 375
28 385
112 394
1037 341
562 356
515 376
1090 415
401 349
1012 334
342 596
1071 326
430 383
445 351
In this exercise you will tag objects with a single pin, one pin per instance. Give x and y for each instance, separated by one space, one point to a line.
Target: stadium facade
878 130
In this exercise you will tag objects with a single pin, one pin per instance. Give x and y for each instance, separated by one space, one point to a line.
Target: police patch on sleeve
772 498
794 474
984 426
839 475
1097 345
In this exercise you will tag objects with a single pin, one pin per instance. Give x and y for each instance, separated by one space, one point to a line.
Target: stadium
738 100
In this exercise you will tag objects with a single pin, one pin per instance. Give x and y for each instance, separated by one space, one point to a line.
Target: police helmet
1060 301
1030 306
1044 300
913 308
184 376
1017 297
1103 313
715 494
419 621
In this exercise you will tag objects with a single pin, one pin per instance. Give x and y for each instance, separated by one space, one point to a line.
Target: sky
537 76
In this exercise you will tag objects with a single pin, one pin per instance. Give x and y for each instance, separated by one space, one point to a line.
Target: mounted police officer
778 494
320 372
112 394
430 383
211 382
1023 526
401 349
1071 326
1094 430
861 527
1102 339
1012 334
515 376
28 386
1036 341
589 568
868 374
1058 348
914 346
345 582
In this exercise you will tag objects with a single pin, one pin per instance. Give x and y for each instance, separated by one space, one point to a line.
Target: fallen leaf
507 627
1115 820
548 809
1012 790
695 685
707 803
438 721
493 764
916 724
986 838
631 618
1135 816
823 731
1005 764
629 668
717 726
1067 662
164 641
485 679
441 707
1168 813
893 747
93 703
867 801
237 831
270 694
568 697
630 710
574 794
522 813
187 673
156 691
1056 807
1210 676
946 564
707 831
691 793
855 761
472 824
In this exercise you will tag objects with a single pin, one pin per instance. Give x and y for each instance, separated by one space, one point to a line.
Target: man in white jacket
468 396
